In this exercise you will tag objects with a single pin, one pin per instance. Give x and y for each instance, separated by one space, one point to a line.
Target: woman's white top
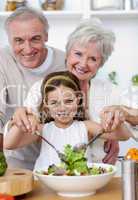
74 134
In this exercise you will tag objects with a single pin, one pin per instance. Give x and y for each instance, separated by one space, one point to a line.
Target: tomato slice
6 197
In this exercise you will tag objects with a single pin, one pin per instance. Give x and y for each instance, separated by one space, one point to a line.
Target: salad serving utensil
85 145
76 147
60 155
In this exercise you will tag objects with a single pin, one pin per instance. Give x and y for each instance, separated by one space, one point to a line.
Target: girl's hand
112 117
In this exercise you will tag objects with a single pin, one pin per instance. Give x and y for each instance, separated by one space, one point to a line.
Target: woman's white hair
93 30
25 13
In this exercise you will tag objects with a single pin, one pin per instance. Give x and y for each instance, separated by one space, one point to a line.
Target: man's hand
112 149
21 119
112 117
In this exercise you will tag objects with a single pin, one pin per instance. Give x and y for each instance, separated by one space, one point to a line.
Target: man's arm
33 99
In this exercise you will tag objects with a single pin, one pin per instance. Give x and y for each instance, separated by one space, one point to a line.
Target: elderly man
27 61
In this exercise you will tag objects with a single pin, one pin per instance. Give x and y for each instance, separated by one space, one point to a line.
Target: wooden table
112 191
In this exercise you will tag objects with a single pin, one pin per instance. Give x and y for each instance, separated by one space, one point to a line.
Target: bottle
130 179
48 4
12 5
51 4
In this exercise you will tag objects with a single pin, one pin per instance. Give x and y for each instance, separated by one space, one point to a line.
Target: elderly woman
87 49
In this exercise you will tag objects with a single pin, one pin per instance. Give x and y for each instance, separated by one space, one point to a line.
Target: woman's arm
131 115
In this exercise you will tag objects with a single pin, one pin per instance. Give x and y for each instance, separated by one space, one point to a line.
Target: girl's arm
93 128
121 133
15 137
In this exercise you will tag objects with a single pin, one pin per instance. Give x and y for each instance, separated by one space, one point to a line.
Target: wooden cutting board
16 182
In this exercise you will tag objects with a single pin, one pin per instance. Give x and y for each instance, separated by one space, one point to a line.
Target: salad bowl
78 185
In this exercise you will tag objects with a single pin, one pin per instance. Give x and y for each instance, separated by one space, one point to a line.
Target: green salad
75 165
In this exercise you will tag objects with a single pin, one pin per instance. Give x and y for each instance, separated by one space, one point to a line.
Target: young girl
63 117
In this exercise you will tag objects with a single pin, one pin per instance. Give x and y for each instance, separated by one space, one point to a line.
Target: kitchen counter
112 191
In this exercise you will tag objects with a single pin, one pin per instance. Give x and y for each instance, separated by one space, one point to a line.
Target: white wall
124 60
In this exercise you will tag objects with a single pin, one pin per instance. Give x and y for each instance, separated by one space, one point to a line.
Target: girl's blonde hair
50 83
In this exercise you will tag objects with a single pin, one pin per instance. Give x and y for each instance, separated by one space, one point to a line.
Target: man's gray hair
25 13
89 31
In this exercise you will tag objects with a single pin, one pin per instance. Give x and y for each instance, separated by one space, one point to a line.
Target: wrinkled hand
131 115
111 147
21 119
112 117
35 123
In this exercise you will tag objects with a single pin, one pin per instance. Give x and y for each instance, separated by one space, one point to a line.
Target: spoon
60 155
84 145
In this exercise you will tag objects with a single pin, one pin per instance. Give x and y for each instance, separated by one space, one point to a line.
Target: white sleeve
101 94
33 99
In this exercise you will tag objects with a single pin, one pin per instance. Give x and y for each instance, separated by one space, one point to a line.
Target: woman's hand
131 115
21 119
112 117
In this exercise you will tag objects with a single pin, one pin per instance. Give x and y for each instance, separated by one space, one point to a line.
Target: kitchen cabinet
79 9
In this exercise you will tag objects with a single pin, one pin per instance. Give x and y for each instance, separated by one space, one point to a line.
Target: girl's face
84 61
62 105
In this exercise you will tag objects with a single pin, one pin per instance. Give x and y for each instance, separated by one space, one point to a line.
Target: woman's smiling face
84 61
